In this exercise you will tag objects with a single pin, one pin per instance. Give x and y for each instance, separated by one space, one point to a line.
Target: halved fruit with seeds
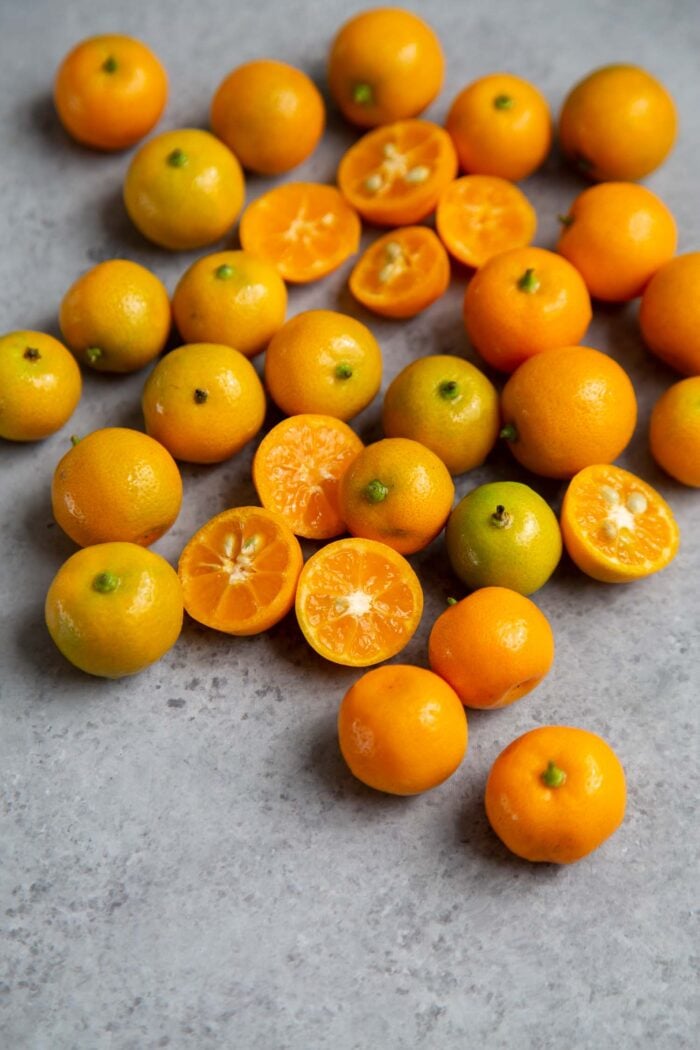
239 572
304 229
394 175
402 273
615 526
358 602
297 470
479 216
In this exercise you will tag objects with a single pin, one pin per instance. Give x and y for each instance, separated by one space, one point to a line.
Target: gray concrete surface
185 862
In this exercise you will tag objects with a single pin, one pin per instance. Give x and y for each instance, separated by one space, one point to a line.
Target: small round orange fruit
479 216
402 729
669 314
40 385
674 431
401 273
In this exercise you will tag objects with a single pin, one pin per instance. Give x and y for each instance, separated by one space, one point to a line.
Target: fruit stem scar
376 491
105 582
501 518
93 354
362 94
200 396
449 389
224 272
566 220
553 776
31 354
343 370
110 64
508 432
529 282
177 159
503 102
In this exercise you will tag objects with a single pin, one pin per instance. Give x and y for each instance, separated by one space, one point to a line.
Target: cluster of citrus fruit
566 411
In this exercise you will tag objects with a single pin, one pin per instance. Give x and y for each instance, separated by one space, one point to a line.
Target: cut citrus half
304 229
615 526
395 174
358 602
402 273
239 572
479 216
297 470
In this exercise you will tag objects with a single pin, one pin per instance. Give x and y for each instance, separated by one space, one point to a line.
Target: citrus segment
402 273
479 216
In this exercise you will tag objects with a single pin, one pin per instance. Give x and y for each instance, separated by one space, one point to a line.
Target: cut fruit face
479 216
239 571
402 273
304 229
395 174
297 470
358 602
615 526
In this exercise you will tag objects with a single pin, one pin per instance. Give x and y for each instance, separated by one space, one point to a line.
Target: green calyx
501 518
93 355
553 776
376 491
503 102
566 220
110 64
31 354
508 432
449 389
200 396
75 440
177 159
224 272
452 601
362 94
529 282
343 371
105 582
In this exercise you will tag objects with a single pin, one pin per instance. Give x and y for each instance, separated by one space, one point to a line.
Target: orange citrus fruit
203 402
479 216
617 235
447 405
619 122
114 608
304 229
500 125
184 189
297 469
566 409
110 91
358 602
40 385
394 175
669 314
270 114
493 647
232 298
239 571
385 64
401 273
674 431
116 484
616 527
503 534
555 794
402 729
116 317
522 302
325 363
397 491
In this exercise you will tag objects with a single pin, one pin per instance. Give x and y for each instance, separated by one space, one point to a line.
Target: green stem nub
200 396
343 371
31 354
566 220
224 272
75 440
553 776
449 389
503 102
177 159
376 491
93 355
105 582
501 518
529 282
452 601
362 94
508 432
110 64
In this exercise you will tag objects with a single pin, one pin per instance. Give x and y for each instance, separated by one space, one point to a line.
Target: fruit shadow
40 531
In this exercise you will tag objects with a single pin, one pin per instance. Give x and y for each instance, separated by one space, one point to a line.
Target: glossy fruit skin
500 125
557 825
479 216
402 729
116 317
40 385
493 647
184 189
446 404
619 122
394 56
518 549
401 273
398 492
232 298
617 235
270 114
567 409
674 431
669 313
114 485
114 608
203 402
110 91
522 302
308 360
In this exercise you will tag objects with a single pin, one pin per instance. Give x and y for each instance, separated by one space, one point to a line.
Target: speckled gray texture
185 860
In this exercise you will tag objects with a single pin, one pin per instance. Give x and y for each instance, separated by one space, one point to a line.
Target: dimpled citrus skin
40 385
557 824
566 409
116 484
114 608
669 313
402 729
674 431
